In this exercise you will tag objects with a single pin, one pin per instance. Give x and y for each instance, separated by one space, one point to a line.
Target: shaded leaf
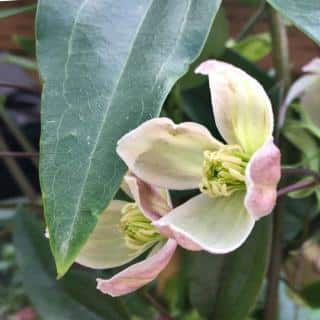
46 293
226 286
304 14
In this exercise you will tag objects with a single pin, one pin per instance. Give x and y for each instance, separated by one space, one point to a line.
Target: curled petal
310 101
139 274
262 176
106 247
167 155
299 87
152 201
241 107
313 66
217 225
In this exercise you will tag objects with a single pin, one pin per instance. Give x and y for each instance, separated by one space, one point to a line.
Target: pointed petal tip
139 274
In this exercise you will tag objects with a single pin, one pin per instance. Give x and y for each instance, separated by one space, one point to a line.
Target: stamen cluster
223 171
137 229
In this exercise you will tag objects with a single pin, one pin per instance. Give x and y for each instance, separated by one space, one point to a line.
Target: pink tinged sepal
153 202
181 239
313 66
262 176
139 274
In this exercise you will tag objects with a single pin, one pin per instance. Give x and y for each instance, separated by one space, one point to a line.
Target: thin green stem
14 154
17 173
259 14
297 186
18 134
280 54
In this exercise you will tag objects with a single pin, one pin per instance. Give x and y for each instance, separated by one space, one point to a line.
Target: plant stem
18 134
297 186
19 87
280 54
252 22
17 173
13 154
164 313
300 171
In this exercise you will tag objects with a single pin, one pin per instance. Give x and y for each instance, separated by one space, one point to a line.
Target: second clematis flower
123 232
237 180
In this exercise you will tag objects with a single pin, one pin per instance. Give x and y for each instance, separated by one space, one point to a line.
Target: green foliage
304 14
98 86
254 48
73 298
226 286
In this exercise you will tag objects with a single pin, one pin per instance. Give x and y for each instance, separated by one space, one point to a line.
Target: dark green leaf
310 294
226 286
213 48
5 13
47 294
26 44
236 59
107 65
304 14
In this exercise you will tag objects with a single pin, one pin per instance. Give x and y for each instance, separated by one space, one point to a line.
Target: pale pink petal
299 87
165 154
262 176
313 66
152 201
139 274
182 240
241 107
217 225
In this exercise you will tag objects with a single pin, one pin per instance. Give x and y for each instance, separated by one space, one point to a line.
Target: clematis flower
237 180
307 88
123 232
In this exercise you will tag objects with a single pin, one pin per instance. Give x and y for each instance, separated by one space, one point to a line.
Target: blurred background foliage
194 286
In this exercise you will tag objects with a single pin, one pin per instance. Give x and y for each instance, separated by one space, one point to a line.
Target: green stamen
137 229
223 171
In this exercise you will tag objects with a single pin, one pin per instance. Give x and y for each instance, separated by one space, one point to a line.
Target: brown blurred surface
22 25
302 49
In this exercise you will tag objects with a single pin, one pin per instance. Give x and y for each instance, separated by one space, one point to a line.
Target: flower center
137 229
223 171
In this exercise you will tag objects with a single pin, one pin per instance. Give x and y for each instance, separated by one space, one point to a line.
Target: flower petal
182 240
152 201
241 107
310 101
299 87
167 155
262 176
139 274
313 66
218 225
106 247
